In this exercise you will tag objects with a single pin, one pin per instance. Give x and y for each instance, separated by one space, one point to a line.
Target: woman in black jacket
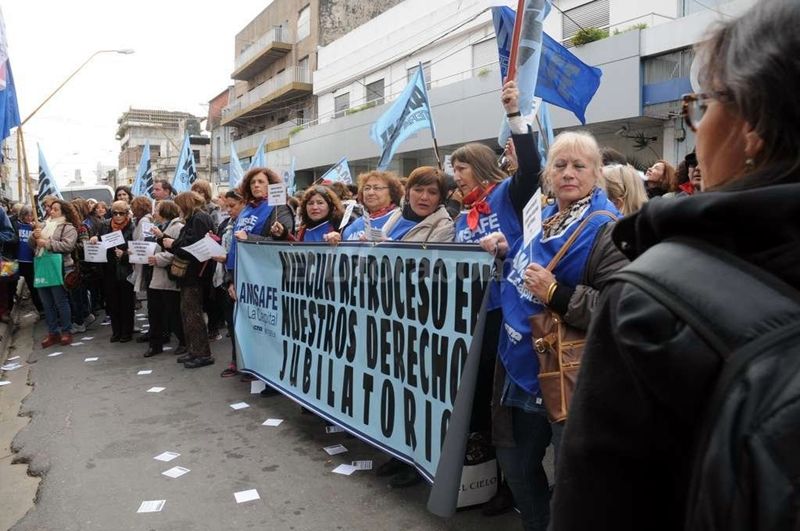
118 290
197 274
647 376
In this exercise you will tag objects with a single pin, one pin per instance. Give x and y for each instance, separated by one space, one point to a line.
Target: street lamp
20 139
126 51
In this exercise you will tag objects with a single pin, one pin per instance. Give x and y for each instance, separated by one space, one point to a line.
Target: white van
100 192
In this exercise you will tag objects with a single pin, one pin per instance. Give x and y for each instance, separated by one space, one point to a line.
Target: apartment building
164 131
645 62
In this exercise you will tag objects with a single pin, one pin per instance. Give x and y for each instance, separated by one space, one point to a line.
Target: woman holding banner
320 212
380 192
423 217
118 291
579 225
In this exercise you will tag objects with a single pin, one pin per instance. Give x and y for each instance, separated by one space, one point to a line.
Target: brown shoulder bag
559 346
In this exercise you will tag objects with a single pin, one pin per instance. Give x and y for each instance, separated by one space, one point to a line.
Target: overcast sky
184 55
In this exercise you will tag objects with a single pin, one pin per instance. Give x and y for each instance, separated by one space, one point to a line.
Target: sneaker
77 329
214 336
106 319
66 338
200 361
91 318
229 371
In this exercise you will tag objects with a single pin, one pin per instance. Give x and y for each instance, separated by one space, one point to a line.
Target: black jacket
196 228
626 455
119 268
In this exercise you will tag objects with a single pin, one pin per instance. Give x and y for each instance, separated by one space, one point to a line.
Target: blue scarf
516 345
252 221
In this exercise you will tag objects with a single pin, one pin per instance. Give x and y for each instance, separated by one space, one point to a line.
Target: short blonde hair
579 142
623 183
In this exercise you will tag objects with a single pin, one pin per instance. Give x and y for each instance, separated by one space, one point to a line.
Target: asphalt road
95 430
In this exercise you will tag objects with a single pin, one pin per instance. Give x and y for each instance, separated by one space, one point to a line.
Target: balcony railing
279 132
275 35
266 90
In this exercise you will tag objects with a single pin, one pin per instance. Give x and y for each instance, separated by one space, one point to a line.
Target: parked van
100 192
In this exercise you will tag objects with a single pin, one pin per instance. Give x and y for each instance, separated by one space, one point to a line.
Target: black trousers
164 315
119 304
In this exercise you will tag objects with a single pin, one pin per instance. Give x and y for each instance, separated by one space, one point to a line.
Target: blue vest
356 229
503 218
401 228
516 345
25 253
317 233
251 220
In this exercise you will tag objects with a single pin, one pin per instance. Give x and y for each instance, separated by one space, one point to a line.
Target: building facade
645 61
164 131
272 96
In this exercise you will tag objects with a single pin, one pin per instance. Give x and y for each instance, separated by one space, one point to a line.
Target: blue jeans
522 466
79 304
56 309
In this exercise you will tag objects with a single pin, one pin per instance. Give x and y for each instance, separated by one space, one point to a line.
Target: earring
749 163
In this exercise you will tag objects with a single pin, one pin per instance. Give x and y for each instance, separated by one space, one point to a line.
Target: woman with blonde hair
624 188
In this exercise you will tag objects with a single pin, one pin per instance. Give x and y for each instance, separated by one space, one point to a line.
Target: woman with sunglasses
118 291
631 448
320 214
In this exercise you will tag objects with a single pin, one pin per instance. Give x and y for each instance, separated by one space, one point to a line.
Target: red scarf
687 187
382 212
475 201
119 226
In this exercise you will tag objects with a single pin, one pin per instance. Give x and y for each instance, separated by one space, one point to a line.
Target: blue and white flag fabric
407 115
564 80
340 173
47 184
185 171
143 184
259 159
288 179
545 132
9 109
528 55
235 171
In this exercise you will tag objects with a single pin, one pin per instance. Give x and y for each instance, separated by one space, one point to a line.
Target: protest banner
374 338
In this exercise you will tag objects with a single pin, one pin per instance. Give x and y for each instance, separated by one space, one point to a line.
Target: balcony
276 138
270 47
290 83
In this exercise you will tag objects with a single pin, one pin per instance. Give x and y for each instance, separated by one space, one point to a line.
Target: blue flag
143 184
546 132
340 173
185 171
259 160
563 79
288 179
407 115
235 171
9 110
528 55
47 184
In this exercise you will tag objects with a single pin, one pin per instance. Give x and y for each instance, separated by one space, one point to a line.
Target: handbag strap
564 248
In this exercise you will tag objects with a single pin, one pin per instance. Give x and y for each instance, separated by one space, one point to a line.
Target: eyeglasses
374 188
695 105
115 213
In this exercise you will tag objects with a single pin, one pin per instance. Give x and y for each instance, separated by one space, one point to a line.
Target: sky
184 55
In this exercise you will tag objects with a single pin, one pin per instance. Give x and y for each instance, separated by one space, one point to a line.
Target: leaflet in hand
95 252
140 251
113 239
205 249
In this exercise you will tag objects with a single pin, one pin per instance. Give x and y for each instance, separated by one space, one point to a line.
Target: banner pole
28 175
512 58
19 165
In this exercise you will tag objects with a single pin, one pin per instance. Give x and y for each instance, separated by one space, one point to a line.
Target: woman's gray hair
756 58
26 210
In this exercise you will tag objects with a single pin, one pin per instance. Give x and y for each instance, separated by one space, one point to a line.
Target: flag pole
19 165
28 176
436 150
512 59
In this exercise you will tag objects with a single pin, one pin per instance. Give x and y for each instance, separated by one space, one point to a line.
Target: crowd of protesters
591 195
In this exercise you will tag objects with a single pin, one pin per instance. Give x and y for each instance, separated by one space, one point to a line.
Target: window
592 15
375 92
340 104
196 154
668 66
426 70
304 23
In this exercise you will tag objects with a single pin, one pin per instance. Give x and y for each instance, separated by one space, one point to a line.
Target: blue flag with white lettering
185 171
407 115
259 160
143 184
339 173
563 79
47 184
235 171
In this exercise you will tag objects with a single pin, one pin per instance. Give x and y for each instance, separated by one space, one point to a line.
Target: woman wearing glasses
380 192
118 291
628 454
